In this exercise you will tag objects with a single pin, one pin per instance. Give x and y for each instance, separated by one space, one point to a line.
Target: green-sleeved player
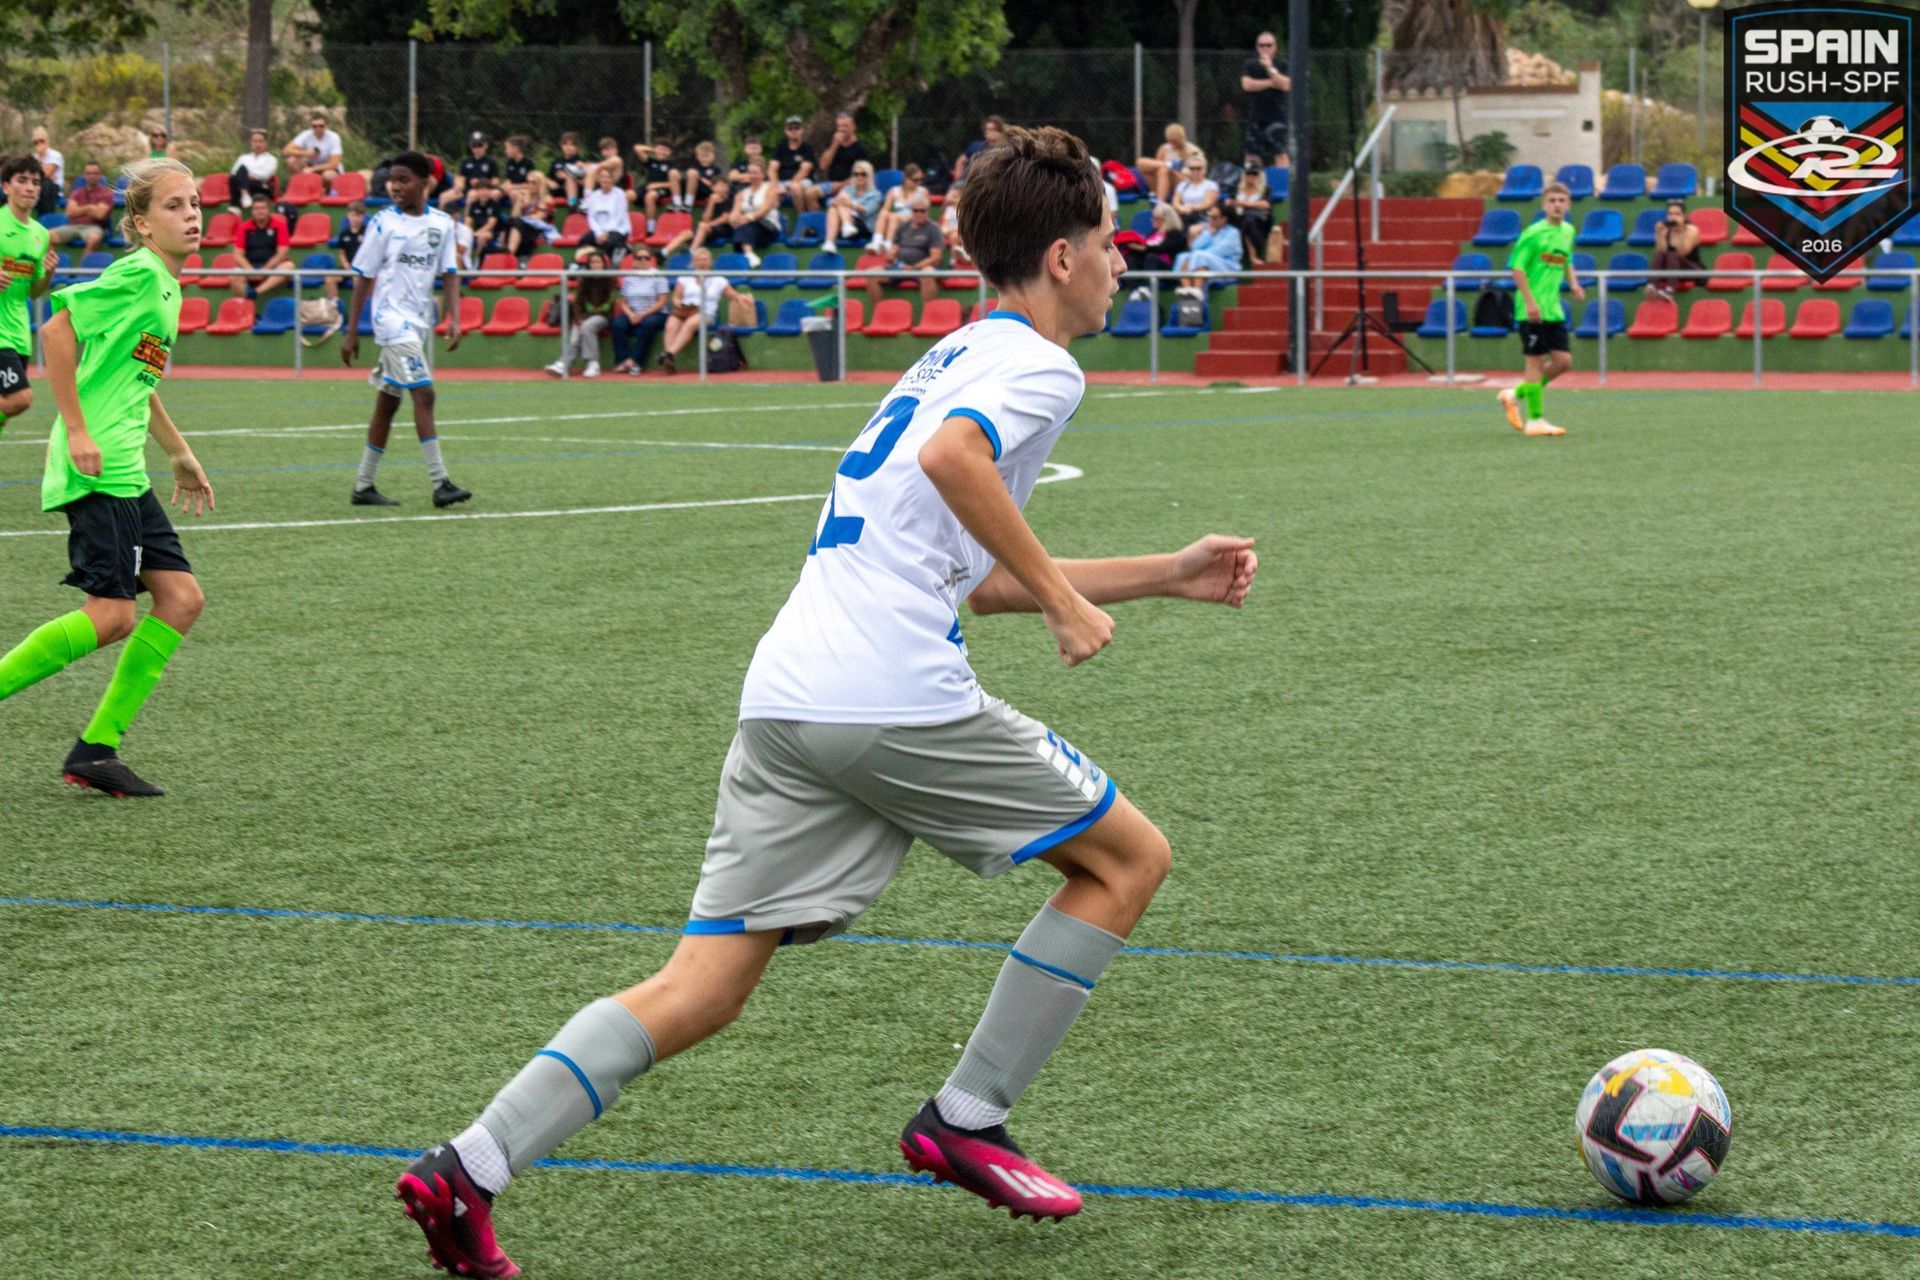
107 347
1540 261
26 272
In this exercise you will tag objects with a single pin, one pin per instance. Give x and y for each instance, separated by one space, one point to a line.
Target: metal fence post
1153 331
166 85
1379 100
1758 327
893 142
299 290
646 91
1299 329
1633 105
1452 295
566 323
1139 101
1604 326
413 95
840 327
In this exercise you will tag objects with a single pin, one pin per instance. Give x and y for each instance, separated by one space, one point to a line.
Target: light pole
1700 120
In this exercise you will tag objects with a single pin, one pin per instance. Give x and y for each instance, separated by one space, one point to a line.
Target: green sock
141 663
1531 392
66 639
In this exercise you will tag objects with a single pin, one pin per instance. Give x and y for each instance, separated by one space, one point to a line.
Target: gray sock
569 1083
436 469
1041 989
369 463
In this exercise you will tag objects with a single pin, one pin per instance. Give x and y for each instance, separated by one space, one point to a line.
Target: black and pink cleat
987 1163
455 1215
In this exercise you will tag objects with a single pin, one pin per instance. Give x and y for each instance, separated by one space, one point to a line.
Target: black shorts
1266 140
112 541
13 372
1538 337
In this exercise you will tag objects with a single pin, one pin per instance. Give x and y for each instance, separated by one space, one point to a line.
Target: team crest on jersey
151 351
1818 102
433 237
24 268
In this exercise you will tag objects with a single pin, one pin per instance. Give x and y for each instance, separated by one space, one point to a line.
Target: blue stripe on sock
737 925
1072 829
578 1074
1054 969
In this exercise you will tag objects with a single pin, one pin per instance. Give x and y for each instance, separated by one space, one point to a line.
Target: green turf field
1639 699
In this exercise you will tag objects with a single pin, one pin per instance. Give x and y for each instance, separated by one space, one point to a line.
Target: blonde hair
863 167
1176 135
142 177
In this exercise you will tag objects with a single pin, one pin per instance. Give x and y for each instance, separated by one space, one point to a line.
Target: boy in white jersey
406 246
862 727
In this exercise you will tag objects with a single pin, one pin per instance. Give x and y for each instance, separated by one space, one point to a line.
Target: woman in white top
692 297
1196 193
254 171
609 216
898 209
855 210
1163 167
753 224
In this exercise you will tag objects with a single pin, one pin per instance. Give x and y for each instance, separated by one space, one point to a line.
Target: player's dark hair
12 167
1035 187
415 163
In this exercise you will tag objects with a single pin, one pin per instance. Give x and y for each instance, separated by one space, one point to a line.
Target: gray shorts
813 819
403 366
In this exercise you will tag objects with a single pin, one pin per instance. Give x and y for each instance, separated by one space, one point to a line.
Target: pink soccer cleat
455 1215
987 1163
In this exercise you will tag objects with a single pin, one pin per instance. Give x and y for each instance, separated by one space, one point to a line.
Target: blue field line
964 944
1117 1191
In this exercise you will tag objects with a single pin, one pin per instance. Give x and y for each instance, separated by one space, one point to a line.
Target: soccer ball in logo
1823 129
1654 1126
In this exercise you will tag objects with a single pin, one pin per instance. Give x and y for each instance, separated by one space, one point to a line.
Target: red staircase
1415 232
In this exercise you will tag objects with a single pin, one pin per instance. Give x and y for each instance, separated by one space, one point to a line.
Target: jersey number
844 531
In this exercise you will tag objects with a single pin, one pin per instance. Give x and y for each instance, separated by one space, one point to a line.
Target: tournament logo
1819 99
151 351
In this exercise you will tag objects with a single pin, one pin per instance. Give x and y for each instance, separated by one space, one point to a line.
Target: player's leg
445 492
55 645
386 402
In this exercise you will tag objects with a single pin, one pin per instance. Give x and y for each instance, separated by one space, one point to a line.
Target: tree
1451 45
1185 103
32 30
253 101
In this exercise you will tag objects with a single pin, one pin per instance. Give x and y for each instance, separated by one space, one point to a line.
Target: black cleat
372 497
446 493
108 773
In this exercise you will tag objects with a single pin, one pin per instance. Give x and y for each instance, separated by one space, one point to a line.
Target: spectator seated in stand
255 174
89 211
567 175
609 216
316 149
693 296
753 224
488 213
720 200
793 164
844 151
1676 245
53 172
1196 193
1164 167
854 214
478 167
1252 210
264 242
917 246
610 159
1214 247
989 136
657 178
640 312
591 299
346 243
701 181
896 207
527 225
526 186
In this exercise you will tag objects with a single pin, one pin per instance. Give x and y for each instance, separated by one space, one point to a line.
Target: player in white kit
862 727
407 246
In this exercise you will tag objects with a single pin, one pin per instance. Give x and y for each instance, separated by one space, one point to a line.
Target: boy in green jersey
107 347
1539 260
26 272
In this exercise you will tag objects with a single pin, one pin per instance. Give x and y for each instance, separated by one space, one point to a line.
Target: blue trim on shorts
578 1074
1069 831
699 927
1054 969
986 425
408 386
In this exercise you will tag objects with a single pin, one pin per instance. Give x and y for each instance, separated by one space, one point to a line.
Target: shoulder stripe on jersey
986 425
1008 315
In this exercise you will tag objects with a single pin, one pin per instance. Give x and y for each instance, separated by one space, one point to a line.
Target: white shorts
403 366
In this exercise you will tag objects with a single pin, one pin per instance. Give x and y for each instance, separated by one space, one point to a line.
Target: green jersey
1543 254
127 319
23 257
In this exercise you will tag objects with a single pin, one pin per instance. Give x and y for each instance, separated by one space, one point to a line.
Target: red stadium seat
981 310
1712 224
220 228
347 188
312 229
1817 318
890 318
495 262
1783 284
1732 261
220 282
541 329
1656 318
189 269
1773 319
215 189
1745 238
1853 277
236 316
572 231
542 262
938 318
1710 318
193 314
959 282
665 228
512 314
471 310
868 262
304 188
636 227
856 315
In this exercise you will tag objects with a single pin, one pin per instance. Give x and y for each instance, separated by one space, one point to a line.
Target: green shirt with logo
23 257
1542 254
127 319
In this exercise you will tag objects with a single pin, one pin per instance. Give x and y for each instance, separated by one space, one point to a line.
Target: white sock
961 1110
369 463
436 469
484 1158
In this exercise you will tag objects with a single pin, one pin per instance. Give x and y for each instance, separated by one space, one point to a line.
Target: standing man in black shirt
1266 88
844 150
793 164
476 166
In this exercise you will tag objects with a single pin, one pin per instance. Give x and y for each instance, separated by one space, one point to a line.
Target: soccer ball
1654 1126
1823 129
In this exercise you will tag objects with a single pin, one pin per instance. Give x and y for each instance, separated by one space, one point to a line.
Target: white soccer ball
1654 1126
1823 129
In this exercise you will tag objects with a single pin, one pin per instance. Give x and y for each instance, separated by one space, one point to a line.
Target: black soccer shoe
108 773
447 493
372 497
988 1163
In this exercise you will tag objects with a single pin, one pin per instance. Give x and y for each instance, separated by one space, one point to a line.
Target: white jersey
404 253
871 634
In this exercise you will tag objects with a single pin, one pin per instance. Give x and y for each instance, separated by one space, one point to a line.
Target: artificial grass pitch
1635 699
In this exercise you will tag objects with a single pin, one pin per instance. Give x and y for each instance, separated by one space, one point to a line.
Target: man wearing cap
792 165
315 149
477 166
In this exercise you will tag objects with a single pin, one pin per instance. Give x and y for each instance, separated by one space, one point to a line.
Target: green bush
116 87
1483 152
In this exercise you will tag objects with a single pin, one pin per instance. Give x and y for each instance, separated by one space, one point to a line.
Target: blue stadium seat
786 324
1583 268
759 321
1172 330
1601 228
98 260
1435 325
1909 233
825 260
276 317
1136 319
315 330
724 262
1498 227
1893 260
365 327
1142 222
1523 183
1644 223
1472 262
1871 318
321 261
809 230
1675 182
1636 262
1279 182
776 262
1906 326
1625 182
60 277
888 179
1500 330
52 220
1589 326
681 261
1577 179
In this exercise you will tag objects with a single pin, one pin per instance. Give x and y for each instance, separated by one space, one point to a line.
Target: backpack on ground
1493 310
724 353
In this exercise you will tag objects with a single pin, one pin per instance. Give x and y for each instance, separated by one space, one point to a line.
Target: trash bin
823 335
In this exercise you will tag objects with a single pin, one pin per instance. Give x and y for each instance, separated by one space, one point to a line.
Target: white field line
1057 471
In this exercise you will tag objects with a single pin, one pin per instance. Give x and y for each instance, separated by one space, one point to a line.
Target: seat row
302 189
1624 182
1889 273
1708 318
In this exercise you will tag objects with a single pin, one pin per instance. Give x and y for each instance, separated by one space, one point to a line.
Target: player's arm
1517 267
62 347
450 290
191 491
958 459
44 281
1215 570
350 341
